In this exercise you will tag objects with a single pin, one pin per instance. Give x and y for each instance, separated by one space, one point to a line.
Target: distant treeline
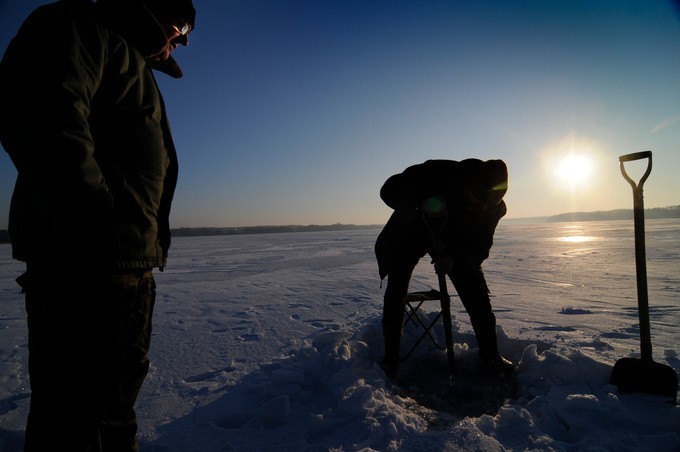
197 232
194 232
618 214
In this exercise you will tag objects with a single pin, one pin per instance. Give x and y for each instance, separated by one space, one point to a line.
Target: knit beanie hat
489 182
176 9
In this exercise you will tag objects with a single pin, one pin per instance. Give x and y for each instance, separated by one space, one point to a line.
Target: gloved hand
442 265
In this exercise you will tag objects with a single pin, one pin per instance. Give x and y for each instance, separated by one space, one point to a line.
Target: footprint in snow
250 337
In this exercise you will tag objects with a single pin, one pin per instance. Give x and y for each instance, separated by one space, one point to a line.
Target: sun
575 169
571 164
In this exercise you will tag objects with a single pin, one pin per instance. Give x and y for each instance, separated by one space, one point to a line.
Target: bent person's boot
390 362
491 358
498 364
390 368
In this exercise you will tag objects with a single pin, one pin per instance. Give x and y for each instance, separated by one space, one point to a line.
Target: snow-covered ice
271 342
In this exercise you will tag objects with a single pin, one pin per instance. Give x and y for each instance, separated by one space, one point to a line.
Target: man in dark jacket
84 123
456 206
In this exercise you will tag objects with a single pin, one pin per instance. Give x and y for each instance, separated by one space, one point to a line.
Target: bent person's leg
474 294
393 310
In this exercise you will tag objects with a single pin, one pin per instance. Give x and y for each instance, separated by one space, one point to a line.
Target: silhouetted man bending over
458 204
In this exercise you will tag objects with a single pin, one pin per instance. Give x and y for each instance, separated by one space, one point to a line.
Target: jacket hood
135 21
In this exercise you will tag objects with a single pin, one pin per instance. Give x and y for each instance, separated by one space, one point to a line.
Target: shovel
631 374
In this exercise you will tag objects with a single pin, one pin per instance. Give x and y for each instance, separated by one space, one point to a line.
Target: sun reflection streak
577 238
575 233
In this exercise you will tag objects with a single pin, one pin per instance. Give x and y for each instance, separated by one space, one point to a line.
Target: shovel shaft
640 252
641 274
446 315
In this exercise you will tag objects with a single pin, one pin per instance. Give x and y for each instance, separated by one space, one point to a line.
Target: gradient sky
296 111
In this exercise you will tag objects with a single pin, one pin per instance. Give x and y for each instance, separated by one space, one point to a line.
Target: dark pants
88 343
472 290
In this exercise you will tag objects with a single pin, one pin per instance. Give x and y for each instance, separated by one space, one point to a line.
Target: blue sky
296 111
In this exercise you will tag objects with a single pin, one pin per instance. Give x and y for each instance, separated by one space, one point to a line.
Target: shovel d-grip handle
640 252
636 156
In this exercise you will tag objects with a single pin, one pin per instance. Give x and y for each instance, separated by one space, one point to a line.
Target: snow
271 342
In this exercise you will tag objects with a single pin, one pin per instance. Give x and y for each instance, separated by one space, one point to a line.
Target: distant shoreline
617 214
606 215
197 232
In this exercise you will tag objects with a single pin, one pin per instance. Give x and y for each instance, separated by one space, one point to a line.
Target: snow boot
498 365
491 358
390 362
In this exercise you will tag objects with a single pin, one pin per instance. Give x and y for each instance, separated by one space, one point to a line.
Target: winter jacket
84 123
466 236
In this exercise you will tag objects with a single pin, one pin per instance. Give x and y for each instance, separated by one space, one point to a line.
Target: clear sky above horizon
295 112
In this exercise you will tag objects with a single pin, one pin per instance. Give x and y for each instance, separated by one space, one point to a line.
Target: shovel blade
637 375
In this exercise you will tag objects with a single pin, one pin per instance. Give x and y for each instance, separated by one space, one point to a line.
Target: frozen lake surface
271 342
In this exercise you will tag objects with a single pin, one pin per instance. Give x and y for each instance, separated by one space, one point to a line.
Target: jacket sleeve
470 237
48 78
399 193
488 229
410 188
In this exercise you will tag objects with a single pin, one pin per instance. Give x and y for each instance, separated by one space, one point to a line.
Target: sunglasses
183 30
